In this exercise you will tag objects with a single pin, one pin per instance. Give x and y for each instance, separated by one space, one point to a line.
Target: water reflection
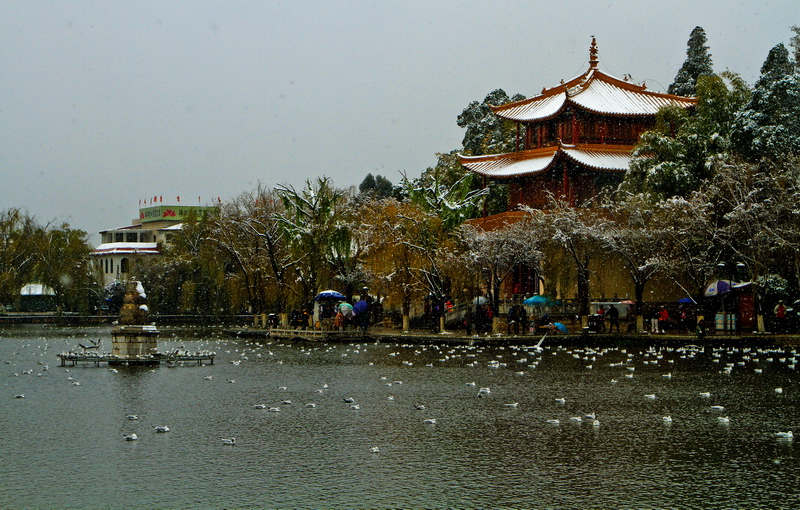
479 453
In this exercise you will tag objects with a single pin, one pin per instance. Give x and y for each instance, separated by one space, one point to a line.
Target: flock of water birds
518 361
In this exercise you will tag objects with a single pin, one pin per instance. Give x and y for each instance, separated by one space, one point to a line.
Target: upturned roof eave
555 153
584 80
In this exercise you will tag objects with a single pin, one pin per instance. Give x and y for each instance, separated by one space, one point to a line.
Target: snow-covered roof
607 158
593 91
609 95
128 227
599 158
126 249
511 164
36 289
537 108
177 226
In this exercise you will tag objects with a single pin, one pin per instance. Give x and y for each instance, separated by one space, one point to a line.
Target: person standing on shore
522 319
511 320
780 316
613 318
361 311
653 319
663 320
701 329
469 320
481 318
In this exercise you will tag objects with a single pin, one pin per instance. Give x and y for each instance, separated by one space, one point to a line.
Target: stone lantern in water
132 340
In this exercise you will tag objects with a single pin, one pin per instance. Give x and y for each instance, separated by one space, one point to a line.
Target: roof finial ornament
593 60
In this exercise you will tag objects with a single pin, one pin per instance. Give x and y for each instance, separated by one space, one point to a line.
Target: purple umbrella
718 287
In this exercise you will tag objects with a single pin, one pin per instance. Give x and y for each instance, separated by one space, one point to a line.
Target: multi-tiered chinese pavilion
573 139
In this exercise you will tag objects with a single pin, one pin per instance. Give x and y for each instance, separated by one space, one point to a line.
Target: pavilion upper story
574 138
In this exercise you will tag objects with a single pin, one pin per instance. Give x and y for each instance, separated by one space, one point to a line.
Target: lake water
62 445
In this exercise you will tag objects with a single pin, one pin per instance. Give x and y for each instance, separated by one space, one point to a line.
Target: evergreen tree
795 44
383 187
377 186
769 125
486 132
697 64
679 153
367 185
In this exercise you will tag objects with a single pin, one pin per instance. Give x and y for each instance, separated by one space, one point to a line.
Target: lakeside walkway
381 334
241 326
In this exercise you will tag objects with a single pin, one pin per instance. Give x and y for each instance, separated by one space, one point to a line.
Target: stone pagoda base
134 345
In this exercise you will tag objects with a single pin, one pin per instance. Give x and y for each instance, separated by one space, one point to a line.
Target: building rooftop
126 248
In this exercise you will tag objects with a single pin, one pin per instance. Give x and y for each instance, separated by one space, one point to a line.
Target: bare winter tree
634 228
694 244
573 230
248 232
495 253
398 249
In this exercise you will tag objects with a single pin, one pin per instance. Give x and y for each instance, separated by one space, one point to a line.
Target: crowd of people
341 315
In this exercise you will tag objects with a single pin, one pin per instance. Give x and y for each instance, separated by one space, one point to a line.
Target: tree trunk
495 293
638 292
406 311
583 287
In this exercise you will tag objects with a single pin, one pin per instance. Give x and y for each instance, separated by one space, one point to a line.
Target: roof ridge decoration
593 60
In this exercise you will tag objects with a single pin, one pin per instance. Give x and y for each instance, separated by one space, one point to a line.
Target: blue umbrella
328 294
361 307
560 326
686 300
536 301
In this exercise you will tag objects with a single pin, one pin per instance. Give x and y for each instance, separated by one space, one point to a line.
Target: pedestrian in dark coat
613 318
469 320
512 319
522 318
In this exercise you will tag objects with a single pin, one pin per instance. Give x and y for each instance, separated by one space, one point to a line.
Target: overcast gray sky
104 103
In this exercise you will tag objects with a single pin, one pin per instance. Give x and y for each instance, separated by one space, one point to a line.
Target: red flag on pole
179 199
